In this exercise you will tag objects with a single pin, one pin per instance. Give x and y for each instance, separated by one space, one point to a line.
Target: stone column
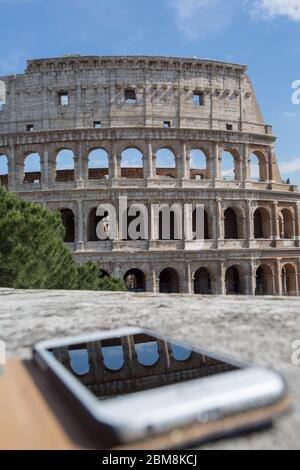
11 169
51 155
251 279
96 360
79 228
249 223
115 170
45 168
271 169
277 281
188 282
275 234
185 167
187 218
246 163
148 163
219 222
221 286
216 162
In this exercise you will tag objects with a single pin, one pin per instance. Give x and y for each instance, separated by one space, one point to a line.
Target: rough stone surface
258 330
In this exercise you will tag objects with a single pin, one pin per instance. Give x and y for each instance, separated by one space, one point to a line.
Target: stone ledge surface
259 330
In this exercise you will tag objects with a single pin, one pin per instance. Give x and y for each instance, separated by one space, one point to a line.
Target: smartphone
132 384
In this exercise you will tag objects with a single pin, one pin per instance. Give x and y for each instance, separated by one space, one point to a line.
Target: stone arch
3 170
135 280
258 170
169 282
32 168
289 280
202 282
233 223
264 280
132 163
79 360
233 281
286 223
113 354
166 163
93 220
98 164
68 220
262 223
65 165
230 160
146 348
198 164
174 220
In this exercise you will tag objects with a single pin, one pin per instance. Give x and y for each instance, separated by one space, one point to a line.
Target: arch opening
258 166
168 281
264 280
65 166
262 223
202 282
198 165
93 221
166 164
289 280
68 220
207 227
286 224
231 231
98 165
233 282
228 166
132 163
135 280
32 168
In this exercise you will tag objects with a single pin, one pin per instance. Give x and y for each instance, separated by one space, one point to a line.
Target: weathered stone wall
164 91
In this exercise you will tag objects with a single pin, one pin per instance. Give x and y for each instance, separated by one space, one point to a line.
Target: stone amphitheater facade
79 104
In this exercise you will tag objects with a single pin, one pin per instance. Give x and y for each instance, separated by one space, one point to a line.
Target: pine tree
33 254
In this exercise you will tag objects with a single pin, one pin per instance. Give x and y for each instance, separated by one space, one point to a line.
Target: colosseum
78 131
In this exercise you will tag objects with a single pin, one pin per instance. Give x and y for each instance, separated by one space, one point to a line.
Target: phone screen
113 367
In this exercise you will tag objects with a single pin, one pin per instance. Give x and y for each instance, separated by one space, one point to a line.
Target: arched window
166 164
32 168
206 229
98 164
3 170
231 224
228 166
198 164
202 282
68 220
286 224
79 361
65 166
135 280
132 163
113 354
233 281
168 281
262 223
146 351
264 280
289 280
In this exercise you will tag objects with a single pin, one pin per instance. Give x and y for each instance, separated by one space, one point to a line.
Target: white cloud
290 167
198 18
202 18
270 9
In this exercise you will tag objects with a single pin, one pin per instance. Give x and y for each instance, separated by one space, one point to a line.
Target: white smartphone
132 384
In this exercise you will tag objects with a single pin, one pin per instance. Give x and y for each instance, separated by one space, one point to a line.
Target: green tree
90 278
33 254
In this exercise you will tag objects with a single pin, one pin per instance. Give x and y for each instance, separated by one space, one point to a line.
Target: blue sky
264 34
